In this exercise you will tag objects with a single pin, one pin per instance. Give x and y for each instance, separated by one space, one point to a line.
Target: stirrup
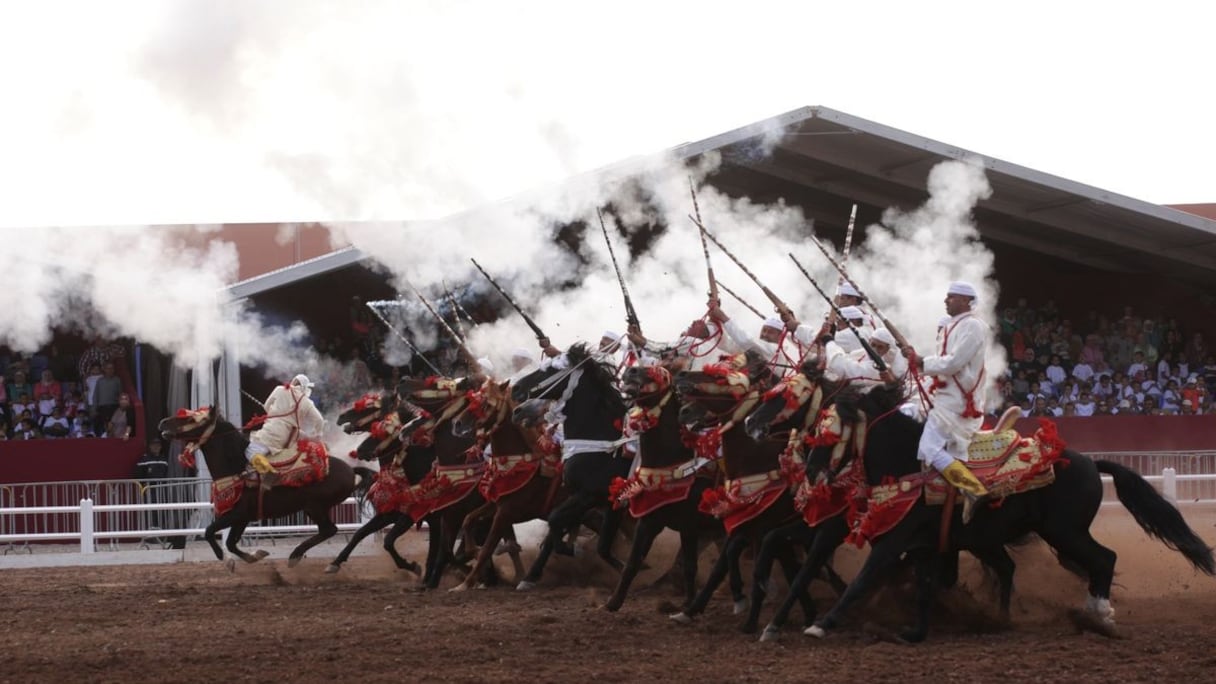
971 502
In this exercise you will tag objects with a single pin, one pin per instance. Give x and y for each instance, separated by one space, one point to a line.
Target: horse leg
883 553
486 551
648 528
402 525
925 561
221 523
513 550
998 559
379 522
474 517
734 548
1098 562
325 529
608 530
432 547
567 515
761 572
829 535
447 539
789 568
234 537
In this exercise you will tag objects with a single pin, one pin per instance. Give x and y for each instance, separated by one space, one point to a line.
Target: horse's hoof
260 554
292 562
741 606
414 568
458 588
680 618
230 564
507 547
770 633
481 586
912 636
525 586
747 628
613 605
815 631
332 568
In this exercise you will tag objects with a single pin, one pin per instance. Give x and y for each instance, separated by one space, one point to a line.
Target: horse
589 405
223 447
1061 513
400 464
669 483
520 484
757 497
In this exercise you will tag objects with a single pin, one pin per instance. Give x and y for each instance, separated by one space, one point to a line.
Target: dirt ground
192 622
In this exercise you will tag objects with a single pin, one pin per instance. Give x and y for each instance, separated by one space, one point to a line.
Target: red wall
45 460
1133 433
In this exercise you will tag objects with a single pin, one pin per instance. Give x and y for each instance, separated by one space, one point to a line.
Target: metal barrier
110 512
1182 476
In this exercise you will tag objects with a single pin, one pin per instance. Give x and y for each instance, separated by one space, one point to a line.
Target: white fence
110 512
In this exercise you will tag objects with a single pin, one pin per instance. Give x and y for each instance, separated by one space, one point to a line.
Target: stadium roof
826 160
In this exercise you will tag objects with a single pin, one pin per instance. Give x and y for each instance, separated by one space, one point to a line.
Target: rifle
464 351
709 267
460 310
455 310
414 350
741 300
540 335
878 362
899 339
631 316
781 306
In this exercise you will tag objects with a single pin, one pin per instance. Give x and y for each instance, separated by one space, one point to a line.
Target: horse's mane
600 372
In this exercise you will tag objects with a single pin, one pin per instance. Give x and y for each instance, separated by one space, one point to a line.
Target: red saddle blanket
741 500
304 465
647 491
508 474
444 486
1004 462
389 491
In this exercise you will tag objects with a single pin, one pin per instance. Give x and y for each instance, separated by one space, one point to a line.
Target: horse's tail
365 478
1157 516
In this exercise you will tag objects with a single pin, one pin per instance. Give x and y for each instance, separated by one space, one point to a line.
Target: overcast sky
205 111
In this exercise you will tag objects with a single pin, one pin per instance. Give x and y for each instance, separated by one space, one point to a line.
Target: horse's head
783 405
710 394
487 407
384 435
530 413
189 426
645 386
369 408
433 393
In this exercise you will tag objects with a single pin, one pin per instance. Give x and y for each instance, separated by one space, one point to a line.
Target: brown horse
520 485
223 446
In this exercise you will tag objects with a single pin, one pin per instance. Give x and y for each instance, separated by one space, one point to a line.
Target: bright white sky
203 111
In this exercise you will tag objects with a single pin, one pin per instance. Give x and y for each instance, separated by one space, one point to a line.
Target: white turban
611 335
847 289
883 335
773 322
521 353
851 313
302 380
960 287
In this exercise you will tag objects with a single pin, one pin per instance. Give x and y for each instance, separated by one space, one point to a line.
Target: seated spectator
82 426
1020 386
55 425
3 391
1191 390
1187 408
1055 371
25 429
1053 408
1138 365
75 405
1039 409
1196 350
1092 353
1209 372
22 405
48 385
122 421
153 465
1083 371
3 432
18 386
1070 409
1103 407
1103 388
1085 406
46 405
1124 407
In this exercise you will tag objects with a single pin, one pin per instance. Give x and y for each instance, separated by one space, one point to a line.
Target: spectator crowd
53 395
1104 365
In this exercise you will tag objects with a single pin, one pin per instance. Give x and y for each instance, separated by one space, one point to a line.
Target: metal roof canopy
872 164
826 154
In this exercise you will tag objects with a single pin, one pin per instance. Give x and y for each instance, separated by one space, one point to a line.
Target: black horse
666 455
719 401
586 394
393 454
223 446
1060 513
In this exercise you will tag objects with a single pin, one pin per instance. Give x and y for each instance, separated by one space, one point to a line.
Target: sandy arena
190 622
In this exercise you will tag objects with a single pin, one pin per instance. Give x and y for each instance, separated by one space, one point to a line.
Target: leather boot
974 492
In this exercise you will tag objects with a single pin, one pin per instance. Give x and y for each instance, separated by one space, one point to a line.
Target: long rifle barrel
413 349
780 305
631 315
899 338
741 300
709 267
540 335
882 366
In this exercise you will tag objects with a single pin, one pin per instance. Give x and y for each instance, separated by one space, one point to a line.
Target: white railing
86 532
